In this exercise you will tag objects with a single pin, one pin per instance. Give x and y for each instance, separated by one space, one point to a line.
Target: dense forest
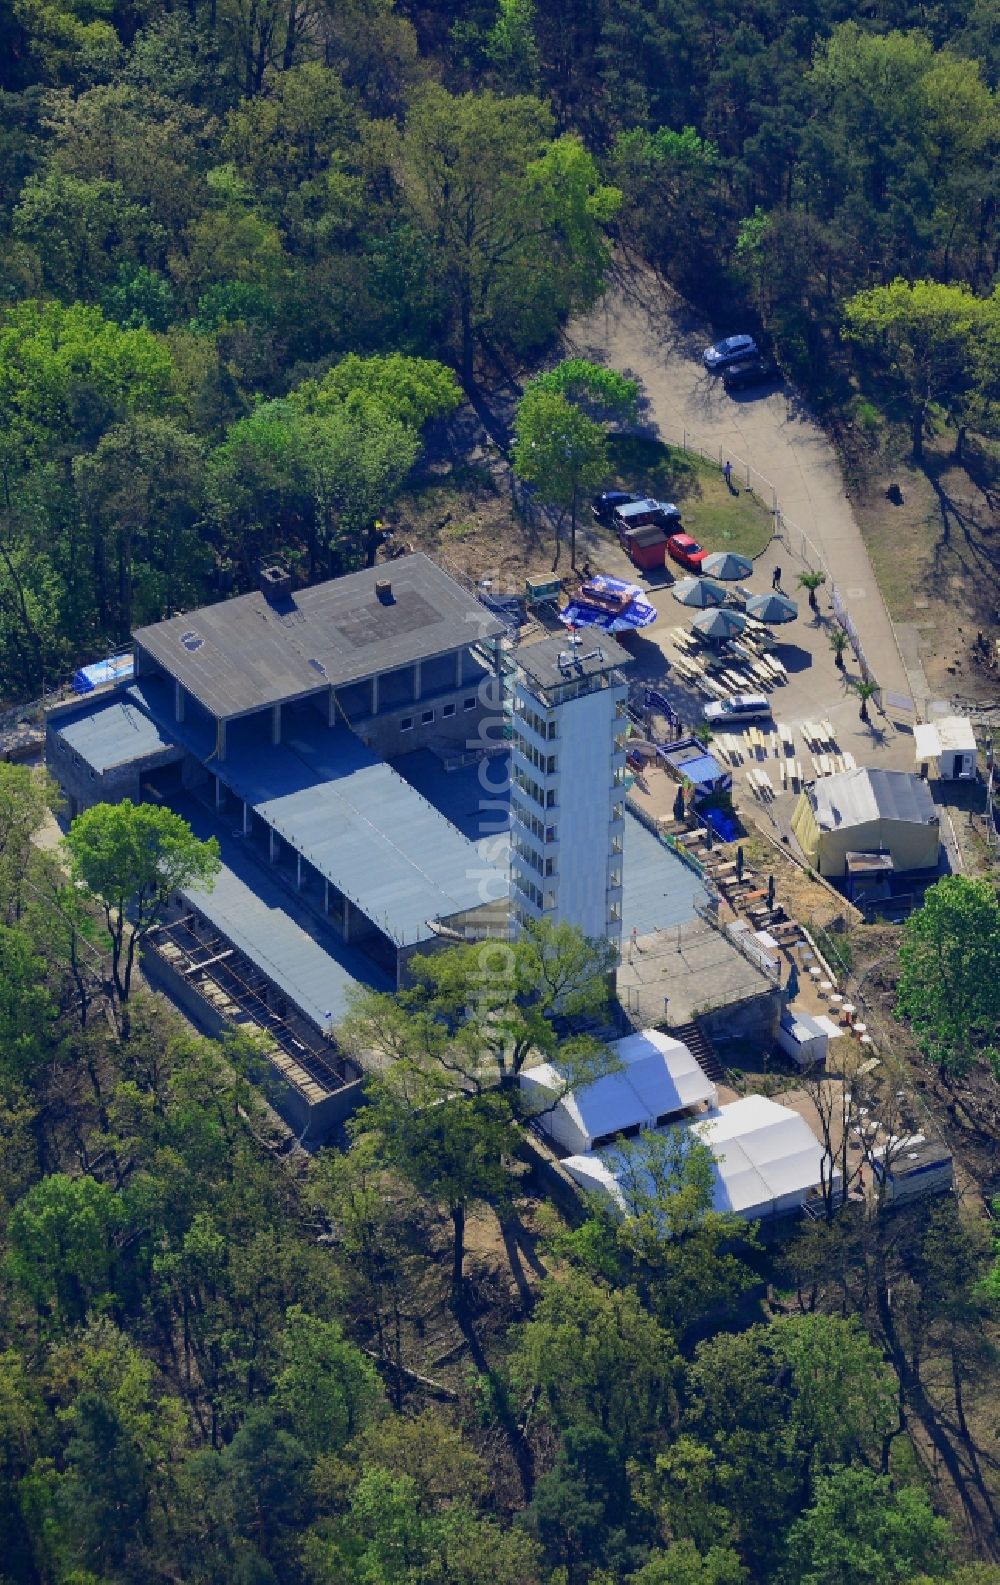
253 251
212 219
389 1363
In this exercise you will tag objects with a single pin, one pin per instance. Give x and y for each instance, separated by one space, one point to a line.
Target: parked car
641 513
686 551
603 506
750 371
722 353
738 707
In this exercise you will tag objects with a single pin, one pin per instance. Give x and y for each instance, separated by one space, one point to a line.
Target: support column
220 739
218 791
270 843
418 680
298 870
246 818
178 702
347 920
331 708
276 723
458 668
326 896
375 695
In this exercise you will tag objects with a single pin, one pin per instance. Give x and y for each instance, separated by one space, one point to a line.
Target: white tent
767 1159
659 1079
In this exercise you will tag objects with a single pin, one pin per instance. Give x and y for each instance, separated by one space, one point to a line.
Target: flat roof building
264 649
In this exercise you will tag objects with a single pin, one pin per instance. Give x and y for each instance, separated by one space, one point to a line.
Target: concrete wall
757 1019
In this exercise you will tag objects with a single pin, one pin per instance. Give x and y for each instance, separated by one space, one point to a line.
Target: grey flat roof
596 653
244 654
306 961
112 732
855 797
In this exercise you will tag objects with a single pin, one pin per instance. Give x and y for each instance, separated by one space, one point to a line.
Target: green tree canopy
130 857
558 447
478 1012
859 1531
513 218
925 336
949 984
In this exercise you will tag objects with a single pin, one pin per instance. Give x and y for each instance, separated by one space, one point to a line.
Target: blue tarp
117 668
637 613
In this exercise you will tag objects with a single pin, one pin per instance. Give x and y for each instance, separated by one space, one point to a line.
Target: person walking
727 473
776 578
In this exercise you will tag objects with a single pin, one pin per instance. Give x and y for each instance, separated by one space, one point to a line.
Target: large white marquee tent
767 1160
659 1080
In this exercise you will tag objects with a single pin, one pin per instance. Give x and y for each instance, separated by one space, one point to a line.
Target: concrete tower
568 783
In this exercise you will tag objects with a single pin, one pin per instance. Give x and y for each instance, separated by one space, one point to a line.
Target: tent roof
857 797
659 1076
763 1153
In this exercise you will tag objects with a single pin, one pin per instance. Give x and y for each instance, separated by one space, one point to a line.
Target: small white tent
767 1160
659 1080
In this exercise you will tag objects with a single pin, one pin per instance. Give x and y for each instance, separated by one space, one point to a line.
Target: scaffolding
237 991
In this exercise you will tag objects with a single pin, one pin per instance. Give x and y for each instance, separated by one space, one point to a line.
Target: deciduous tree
949 985
130 857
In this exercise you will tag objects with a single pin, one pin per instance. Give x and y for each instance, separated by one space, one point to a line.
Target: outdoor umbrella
792 984
727 564
772 607
719 624
698 591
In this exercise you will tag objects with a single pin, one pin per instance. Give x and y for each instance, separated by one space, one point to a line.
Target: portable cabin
645 547
951 743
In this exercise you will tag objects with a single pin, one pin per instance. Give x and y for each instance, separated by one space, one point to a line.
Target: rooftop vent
383 591
275 582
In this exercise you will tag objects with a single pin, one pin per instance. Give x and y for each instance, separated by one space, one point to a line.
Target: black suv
603 506
751 371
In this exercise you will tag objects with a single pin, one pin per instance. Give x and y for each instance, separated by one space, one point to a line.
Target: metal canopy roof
364 828
315 970
245 654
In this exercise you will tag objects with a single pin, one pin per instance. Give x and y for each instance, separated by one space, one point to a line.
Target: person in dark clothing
776 578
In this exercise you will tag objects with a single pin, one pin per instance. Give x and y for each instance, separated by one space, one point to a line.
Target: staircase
702 1049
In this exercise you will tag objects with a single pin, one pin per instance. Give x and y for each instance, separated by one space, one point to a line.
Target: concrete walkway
643 331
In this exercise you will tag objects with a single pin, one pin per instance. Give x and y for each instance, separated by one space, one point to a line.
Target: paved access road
642 330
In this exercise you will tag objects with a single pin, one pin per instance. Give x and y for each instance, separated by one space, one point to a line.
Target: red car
687 551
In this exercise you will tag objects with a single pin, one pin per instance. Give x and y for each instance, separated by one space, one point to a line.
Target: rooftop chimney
383 591
275 583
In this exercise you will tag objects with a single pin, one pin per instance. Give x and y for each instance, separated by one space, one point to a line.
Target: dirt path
642 329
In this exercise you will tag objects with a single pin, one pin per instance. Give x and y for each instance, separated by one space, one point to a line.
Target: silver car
722 353
739 707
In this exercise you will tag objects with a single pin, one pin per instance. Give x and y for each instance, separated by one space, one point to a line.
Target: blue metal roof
360 824
365 829
658 889
313 968
111 733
